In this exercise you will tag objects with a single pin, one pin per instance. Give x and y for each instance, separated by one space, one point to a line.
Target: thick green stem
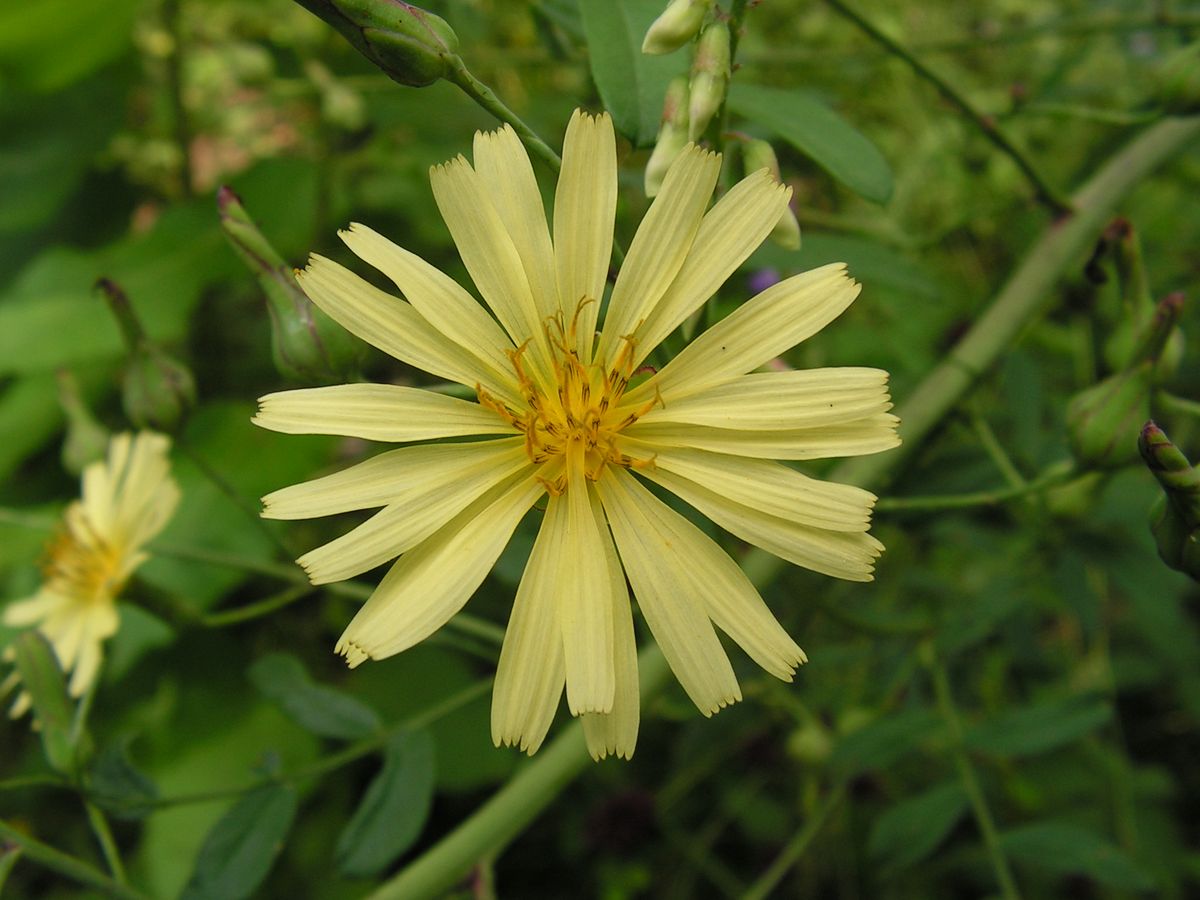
492 826
64 864
987 124
966 771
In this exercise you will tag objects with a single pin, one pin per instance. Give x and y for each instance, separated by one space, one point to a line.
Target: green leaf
820 133
1036 729
393 810
877 745
315 707
913 828
1067 849
42 678
45 46
242 845
631 84
118 786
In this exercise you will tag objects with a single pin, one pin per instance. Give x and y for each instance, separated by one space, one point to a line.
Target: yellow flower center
572 419
82 566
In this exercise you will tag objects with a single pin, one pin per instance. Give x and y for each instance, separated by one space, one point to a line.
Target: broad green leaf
1067 849
315 707
1036 729
45 46
42 678
392 811
118 786
877 745
631 84
29 416
912 829
45 148
241 847
818 132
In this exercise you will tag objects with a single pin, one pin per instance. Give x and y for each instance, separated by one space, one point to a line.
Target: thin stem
460 75
1076 26
1058 473
65 864
32 521
996 452
221 483
104 837
175 77
985 123
342 757
463 622
966 771
1181 405
227 617
1120 117
25 782
766 883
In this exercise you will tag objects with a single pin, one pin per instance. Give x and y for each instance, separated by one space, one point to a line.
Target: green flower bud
1137 321
86 440
1175 520
710 78
157 391
677 25
1102 420
1179 81
413 46
306 344
758 155
672 134
810 743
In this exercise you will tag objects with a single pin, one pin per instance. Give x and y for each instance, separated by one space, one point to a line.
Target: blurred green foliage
1072 654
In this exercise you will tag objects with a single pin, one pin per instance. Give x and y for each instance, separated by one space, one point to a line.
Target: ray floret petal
565 431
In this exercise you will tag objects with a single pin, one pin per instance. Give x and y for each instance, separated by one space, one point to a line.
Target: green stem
985 123
104 837
175 87
460 75
226 617
1073 26
346 755
1121 117
1061 471
1173 404
1023 297
996 452
66 865
494 824
966 771
766 883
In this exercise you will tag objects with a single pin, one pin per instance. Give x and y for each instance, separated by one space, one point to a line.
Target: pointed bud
1175 519
1137 320
1179 81
413 46
757 155
1103 419
710 78
677 25
306 344
672 134
87 439
157 391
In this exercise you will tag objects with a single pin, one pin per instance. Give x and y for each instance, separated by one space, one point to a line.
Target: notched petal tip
354 654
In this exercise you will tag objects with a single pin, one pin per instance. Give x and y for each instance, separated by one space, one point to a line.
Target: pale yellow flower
126 500
567 415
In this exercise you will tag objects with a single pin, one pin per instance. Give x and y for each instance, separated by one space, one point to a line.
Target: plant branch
65 864
766 883
1058 473
987 124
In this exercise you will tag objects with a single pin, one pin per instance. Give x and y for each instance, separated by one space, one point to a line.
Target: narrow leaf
913 828
242 845
631 84
392 811
42 678
1070 850
315 707
819 133
1036 729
